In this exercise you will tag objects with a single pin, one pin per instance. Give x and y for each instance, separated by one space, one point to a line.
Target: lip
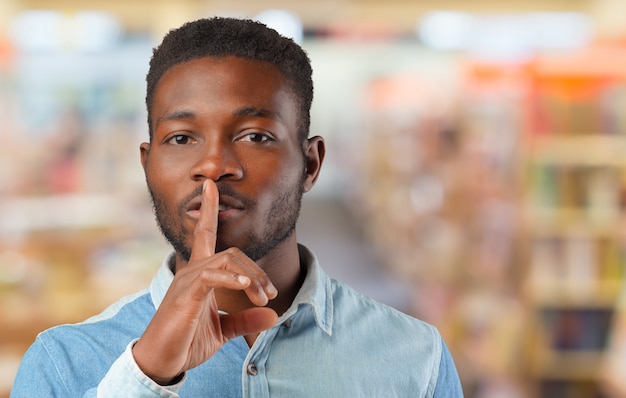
228 206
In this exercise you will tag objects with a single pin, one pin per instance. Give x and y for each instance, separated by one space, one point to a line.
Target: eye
180 139
256 137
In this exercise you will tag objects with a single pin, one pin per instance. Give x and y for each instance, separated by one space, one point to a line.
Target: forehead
211 84
228 75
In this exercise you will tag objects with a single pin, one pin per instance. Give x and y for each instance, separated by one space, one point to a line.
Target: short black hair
220 37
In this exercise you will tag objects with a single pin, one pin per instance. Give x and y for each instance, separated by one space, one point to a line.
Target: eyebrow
176 115
248 111
251 111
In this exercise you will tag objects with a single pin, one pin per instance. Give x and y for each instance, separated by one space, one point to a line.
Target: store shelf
574 220
544 221
53 212
579 294
569 365
585 149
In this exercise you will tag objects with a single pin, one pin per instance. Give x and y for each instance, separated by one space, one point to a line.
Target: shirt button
287 323
252 370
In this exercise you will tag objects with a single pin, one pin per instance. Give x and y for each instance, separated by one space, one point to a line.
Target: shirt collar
316 291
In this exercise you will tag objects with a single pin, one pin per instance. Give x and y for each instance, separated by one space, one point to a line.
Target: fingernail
244 280
264 297
271 290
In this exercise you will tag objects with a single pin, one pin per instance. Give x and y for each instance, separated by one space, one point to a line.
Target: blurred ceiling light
507 35
446 30
96 30
502 37
46 30
284 22
36 30
562 30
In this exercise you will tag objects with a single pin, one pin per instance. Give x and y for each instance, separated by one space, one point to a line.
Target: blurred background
475 175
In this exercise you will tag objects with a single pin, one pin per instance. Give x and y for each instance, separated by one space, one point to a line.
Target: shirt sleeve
125 379
448 382
37 375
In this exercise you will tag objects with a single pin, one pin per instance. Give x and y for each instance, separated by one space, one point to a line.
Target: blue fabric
331 342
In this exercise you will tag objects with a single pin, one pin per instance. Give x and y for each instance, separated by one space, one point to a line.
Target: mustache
223 189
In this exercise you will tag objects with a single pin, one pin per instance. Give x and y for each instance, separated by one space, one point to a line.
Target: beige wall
160 15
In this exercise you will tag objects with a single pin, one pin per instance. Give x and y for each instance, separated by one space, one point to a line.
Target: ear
144 150
315 152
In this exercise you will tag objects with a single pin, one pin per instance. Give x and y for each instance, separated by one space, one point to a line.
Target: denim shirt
331 342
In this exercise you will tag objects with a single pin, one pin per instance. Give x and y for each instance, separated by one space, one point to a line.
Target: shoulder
346 307
101 337
137 305
386 331
352 306
408 348
78 355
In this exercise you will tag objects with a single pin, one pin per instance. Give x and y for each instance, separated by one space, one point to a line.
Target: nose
216 162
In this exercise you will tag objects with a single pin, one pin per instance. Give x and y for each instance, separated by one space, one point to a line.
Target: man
239 308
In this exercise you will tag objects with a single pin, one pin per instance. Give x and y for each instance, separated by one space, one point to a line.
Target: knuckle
206 275
233 251
218 261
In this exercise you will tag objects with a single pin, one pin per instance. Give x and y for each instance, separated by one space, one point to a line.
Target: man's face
234 121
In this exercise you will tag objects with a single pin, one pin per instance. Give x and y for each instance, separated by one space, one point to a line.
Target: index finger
205 233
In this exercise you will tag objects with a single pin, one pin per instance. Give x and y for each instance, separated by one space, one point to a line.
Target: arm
38 375
125 379
448 382
47 371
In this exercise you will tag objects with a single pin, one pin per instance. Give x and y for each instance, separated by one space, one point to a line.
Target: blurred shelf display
74 211
503 203
575 218
573 367
439 195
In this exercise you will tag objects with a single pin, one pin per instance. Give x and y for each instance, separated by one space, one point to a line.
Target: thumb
249 321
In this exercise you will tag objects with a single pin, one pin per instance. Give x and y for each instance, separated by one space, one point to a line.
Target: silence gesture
187 328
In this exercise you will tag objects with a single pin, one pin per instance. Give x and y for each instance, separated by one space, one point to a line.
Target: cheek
285 182
296 171
163 169
163 182
281 175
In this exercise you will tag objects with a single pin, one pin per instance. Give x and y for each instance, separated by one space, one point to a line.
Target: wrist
152 375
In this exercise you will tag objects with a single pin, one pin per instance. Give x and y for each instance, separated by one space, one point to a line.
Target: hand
187 329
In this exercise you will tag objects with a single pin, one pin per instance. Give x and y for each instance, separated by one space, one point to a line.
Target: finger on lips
247 274
205 233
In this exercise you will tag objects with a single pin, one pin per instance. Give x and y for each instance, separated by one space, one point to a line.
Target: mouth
227 205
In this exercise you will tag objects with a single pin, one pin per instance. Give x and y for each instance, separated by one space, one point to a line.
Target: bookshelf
440 204
575 177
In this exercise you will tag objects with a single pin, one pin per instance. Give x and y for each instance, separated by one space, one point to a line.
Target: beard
279 222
